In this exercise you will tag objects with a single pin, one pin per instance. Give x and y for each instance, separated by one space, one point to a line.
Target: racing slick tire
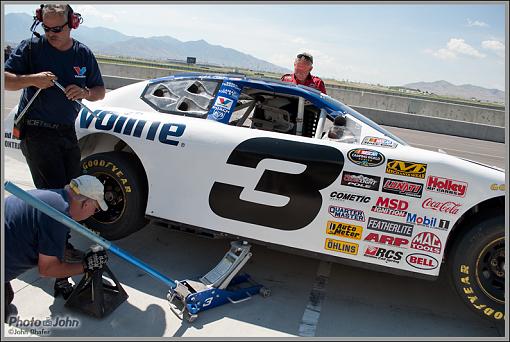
476 268
125 188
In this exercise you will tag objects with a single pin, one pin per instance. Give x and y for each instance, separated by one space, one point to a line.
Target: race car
284 165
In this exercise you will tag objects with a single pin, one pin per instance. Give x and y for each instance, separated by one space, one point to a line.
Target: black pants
9 296
53 156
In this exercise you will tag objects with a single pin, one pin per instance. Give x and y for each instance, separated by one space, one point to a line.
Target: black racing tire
125 193
476 267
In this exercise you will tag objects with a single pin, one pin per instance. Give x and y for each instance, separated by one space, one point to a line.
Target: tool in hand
219 286
77 101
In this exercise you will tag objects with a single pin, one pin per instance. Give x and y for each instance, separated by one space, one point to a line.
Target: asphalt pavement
354 302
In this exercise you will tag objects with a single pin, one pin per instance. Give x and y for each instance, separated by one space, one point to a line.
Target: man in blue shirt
49 143
48 139
33 238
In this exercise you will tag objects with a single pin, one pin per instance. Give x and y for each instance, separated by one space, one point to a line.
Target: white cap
91 187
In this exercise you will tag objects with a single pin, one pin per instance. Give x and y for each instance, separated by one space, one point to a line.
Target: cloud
495 46
454 48
476 23
92 11
299 40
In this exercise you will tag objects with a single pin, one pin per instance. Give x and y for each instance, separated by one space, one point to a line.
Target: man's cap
91 187
306 55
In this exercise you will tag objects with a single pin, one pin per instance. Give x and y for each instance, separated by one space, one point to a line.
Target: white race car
280 164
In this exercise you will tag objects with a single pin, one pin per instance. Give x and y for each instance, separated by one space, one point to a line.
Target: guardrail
390 118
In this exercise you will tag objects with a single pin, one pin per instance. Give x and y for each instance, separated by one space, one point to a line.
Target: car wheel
476 265
125 188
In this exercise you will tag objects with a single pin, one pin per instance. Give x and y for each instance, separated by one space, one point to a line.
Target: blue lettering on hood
107 121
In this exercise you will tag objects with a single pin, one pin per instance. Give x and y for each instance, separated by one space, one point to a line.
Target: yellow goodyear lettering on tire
341 246
488 311
111 166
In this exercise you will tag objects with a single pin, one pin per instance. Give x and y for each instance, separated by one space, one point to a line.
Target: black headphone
73 19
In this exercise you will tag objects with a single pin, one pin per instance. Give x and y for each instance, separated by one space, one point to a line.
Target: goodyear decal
345 230
111 121
341 246
406 168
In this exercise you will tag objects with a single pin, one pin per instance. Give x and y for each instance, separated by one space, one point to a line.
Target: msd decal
447 207
427 242
111 121
422 261
447 186
391 206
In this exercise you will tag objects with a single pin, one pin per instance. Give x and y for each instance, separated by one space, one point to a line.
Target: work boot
72 255
64 287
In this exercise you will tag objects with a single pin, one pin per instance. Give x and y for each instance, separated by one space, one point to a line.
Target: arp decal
427 242
406 168
341 246
360 180
345 230
386 239
422 261
404 188
447 207
323 166
383 254
391 206
376 141
346 213
108 121
366 157
446 186
390 227
428 221
345 196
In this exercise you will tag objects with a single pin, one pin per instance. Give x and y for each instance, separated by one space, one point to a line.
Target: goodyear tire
125 193
476 266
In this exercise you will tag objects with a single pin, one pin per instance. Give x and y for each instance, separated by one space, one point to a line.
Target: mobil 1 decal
361 180
225 102
401 187
366 157
322 166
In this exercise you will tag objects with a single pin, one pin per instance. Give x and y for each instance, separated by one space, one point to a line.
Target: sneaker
73 255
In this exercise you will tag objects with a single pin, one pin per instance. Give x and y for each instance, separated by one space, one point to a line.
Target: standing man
48 139
303 64
33 238
49 143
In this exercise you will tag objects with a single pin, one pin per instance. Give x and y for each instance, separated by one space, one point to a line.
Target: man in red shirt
303 64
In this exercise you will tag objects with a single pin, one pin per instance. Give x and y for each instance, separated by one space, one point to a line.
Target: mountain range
466 91
109 42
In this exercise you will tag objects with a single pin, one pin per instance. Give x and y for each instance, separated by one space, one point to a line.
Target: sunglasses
56 29
305 57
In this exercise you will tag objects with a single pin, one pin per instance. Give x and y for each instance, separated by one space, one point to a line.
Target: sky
388 44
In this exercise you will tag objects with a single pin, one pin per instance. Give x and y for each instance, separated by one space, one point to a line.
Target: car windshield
343 109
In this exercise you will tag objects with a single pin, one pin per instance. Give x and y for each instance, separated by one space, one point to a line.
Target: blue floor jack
219 286
187 297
